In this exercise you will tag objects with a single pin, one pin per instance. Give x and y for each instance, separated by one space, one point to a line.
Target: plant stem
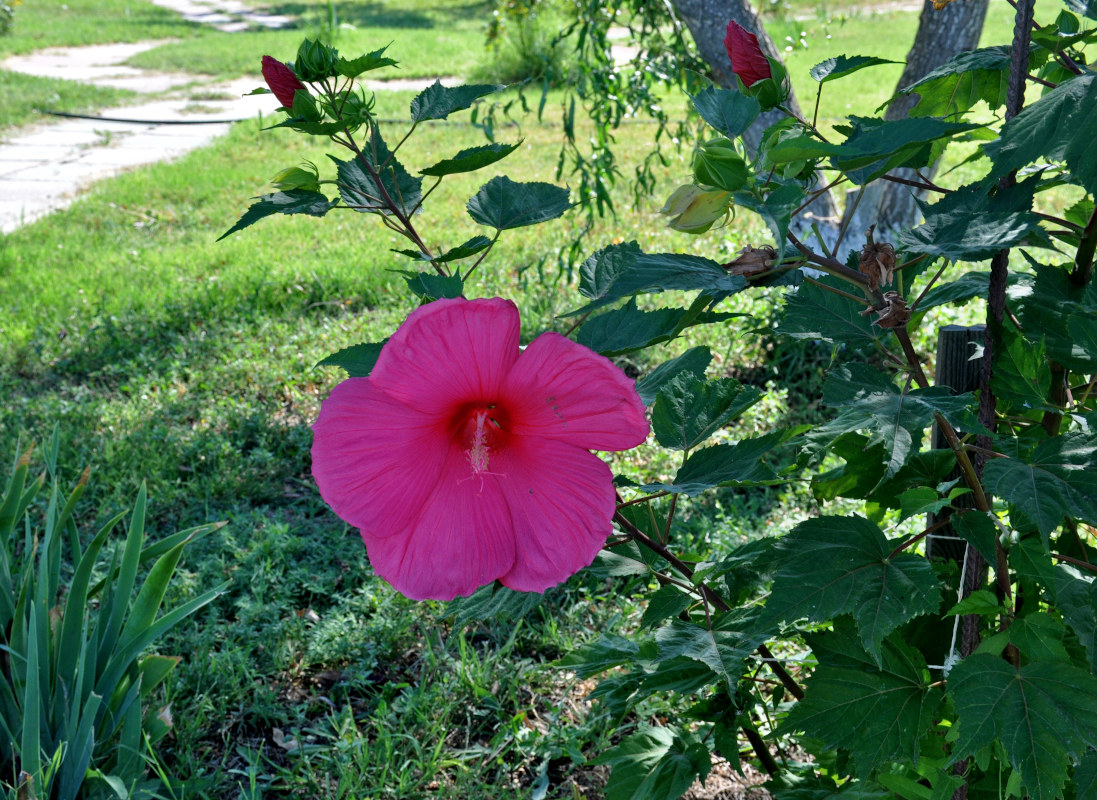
710 596
1083 260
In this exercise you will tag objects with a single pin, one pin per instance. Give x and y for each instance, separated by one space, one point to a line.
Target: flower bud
281 80
694 210
719 165
315 60
304 177
748 61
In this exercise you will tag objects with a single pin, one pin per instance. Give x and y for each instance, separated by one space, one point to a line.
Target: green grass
167 357
26 96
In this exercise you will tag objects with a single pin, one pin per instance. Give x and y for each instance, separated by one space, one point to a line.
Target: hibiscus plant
931 631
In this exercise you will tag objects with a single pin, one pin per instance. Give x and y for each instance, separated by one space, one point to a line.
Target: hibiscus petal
746 56
449 352
463 540
561 390
375 459
562 501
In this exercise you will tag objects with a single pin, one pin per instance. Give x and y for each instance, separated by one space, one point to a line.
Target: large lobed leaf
438 101
877 709
1044 714
1050 129
961 82
628 328
295 201
364 181
830 566
728 111
504 204
654 762
815 313
689 410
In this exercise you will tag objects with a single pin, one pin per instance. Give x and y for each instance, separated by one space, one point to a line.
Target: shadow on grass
384 15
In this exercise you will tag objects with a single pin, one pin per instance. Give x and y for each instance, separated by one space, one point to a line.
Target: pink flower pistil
464 461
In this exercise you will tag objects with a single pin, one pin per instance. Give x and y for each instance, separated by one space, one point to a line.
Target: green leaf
966 287
471 159
470 248
737 464
1053 307
503 204
1051 483
921 500
363 192
972 234
815 313
1076 599
961 82
669 601
610 650
1043 714
875 707
1039 637
723 649
977 529
493 602
1022 375
654 763
352 68
843 565
841 66
311 127
627 329
689 410
438 101
775 210
432 286
693 362
357 360
730 112
622 270
1048 129
295 201
983 602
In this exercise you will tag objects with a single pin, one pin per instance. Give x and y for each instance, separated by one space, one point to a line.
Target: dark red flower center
480 430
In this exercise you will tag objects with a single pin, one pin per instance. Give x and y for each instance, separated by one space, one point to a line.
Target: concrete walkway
44 168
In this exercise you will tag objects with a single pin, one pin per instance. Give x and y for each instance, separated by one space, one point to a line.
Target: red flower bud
281 80
747 59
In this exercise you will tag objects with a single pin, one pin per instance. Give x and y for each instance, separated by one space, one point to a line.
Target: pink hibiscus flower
464 461
747 59
281 80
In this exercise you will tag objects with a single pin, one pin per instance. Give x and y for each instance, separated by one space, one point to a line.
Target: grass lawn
167 357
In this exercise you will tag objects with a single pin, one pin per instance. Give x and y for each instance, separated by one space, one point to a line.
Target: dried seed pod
752 261
877 261
893 314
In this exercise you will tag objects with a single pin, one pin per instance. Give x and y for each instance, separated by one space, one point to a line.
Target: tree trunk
707 21
941 35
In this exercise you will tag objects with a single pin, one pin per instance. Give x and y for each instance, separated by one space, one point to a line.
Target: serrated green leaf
1022 375
492 602
357 360
815 313
961 82
1053 482
689 410
967 286
669 601
921 500
311 127
973 235
977 529
1076 599
1048 129
610 650
432 286
841 66
295 201
843 565
684 675
1039 637
503 204
730 112
1043 714
363 192
775 210
694 362
876 708
654 763
723 649
352 68
438 101
626 329
983 602
471 159
622 270
737 464
1053 306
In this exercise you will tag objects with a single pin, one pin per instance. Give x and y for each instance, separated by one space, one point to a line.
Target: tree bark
940 36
